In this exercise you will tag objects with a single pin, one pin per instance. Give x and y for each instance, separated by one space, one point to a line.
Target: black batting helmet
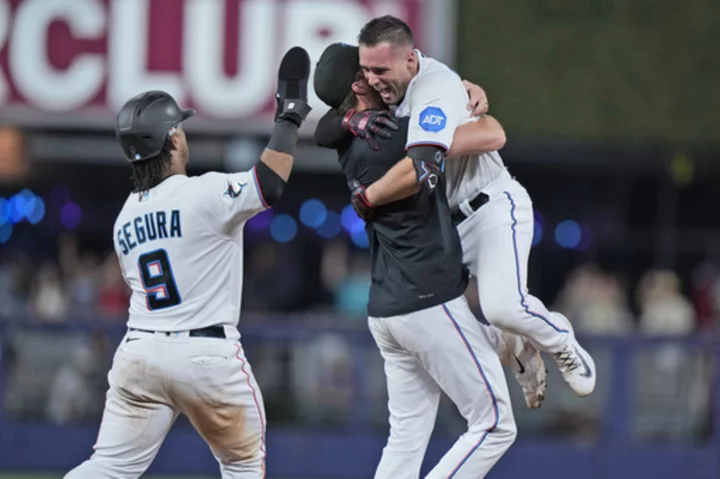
144 122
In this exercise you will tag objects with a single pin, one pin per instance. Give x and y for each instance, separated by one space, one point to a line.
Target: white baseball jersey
180 247
436 102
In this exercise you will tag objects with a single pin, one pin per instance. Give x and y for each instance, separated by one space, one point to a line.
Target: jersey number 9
158 280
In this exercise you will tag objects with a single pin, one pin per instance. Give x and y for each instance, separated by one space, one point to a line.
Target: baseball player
483 135
429 339
492 211
180 244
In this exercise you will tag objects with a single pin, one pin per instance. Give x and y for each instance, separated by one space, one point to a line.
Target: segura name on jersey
149 227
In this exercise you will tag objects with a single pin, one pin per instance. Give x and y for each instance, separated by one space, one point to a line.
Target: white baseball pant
443 348
155 377
496 241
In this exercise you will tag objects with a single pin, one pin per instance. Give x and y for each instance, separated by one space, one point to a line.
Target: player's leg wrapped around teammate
504 228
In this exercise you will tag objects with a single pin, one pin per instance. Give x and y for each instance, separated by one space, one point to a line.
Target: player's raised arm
236 197
292 109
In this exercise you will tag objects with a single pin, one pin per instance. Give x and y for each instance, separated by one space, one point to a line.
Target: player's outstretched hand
291 95
358 199
370 125
478 104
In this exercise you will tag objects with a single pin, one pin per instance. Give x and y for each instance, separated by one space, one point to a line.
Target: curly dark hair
148 173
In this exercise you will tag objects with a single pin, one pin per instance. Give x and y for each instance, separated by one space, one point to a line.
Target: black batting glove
358 199
291 93
370 125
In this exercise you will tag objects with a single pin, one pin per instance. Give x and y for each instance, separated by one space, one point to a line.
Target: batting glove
358 199
291 94
370 125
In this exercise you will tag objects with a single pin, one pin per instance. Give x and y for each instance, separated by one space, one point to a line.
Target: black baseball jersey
415 249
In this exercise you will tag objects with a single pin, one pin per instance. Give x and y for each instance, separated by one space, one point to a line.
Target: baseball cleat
531 374
527 365
575 364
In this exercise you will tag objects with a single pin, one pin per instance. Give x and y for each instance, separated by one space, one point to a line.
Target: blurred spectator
594 302
84 283
672 399
334 264
15 285
114 294
75 394
352 293
273 279
323 377
49 299
704 295
663 308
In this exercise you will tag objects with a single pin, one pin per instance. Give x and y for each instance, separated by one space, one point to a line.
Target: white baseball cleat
575 364
527 366
530 372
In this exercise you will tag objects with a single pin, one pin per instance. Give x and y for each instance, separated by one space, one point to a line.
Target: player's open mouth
386 93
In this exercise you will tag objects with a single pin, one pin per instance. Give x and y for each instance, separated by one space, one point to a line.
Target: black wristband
284 137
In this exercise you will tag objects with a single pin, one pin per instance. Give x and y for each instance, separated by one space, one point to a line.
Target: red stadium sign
74 62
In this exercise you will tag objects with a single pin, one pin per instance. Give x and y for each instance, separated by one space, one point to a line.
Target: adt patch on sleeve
433 119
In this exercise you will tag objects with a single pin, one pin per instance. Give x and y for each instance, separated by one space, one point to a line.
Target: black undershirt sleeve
329 132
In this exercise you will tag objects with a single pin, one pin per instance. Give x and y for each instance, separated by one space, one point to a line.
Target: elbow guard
270 184
429 162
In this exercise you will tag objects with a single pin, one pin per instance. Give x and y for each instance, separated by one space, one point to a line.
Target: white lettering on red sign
107 47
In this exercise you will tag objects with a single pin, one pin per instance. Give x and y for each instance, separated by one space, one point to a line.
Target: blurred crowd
315 379
73 284
598 303
81 284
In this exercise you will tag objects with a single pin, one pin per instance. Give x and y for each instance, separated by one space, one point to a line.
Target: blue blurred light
36 212
539 218
283 228
313 213
261 221
16 208
4 211
70 215
331 227
537 233
568 234
350 219
5 232
358 235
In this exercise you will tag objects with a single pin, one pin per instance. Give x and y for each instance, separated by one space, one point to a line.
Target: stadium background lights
24 206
